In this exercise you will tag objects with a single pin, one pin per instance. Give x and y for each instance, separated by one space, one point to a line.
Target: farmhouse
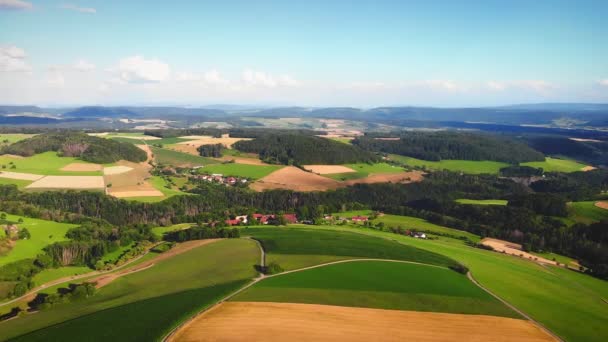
359 218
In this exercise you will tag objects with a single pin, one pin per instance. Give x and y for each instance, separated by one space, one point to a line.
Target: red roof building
290 218
234 222
359 218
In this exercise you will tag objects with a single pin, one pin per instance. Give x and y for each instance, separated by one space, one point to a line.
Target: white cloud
137 69
214 77
13 59
260 78
446 85
71 7
494 85
15 5
55 77
603 82
84 66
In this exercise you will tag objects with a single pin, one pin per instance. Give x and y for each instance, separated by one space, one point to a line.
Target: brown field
242 160
328 169
204 140
247 321
514 249
14 156
68 182
402 177
588 168
19 175
602 204
178 249
137 192
291 177
132 183
388 139
81 167
116 170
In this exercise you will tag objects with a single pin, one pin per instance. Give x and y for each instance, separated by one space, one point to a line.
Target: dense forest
211 150
298 149
83 146
449 145
588 150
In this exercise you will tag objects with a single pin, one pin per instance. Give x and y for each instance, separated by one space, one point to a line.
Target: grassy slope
176 158
192 270
542 292
159 231
363 170
56 273
482 202
47 163
466 166
586 212
18 182
43 233
378 284
557 165
291 246
240 170
13 137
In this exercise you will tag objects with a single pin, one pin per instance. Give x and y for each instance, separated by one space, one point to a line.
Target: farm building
359 218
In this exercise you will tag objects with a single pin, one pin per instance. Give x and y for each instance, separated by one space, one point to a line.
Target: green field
557 165
18 182
196 271
466 166
10 138
47 163
176 158
342 140
566 303
290 247
586 212
51 274
43 233
482 202
159 231
363 170
379 284
240 170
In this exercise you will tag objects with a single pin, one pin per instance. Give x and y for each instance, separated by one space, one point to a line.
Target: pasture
240 170
141 293
51 274
381 285
482 202
175 158
362 170
47 163
300 247
557 165
586 212
466 166
43 233
10 138
414 223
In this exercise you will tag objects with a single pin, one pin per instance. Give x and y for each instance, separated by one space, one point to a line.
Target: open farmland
43 233
292 322
240 170
197 280
586 212
482 202
362 170
175 158
557 165
328 169
9 138
47 163
466 166
300 247
68 182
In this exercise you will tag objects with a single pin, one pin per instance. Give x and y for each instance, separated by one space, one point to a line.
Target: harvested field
602 204
402 177
514 249
242 160
247 321
328 169
68 182
116 170
148 151
136 193
81 167
204 140
179 249
21 176
137 137
588 168
295 179
132 183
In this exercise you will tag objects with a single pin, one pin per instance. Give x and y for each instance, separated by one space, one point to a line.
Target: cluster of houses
261 219
220 179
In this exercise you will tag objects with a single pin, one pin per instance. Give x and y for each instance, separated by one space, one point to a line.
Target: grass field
342 140
47 163
113 256
586 212
196 271
10 138
363 170
466 166
482 202
378 284
176 158
159 231
240 170
51 274
566 303
43 233
290 247
557 165
18 182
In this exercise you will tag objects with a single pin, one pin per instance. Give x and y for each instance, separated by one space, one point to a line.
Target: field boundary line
512 307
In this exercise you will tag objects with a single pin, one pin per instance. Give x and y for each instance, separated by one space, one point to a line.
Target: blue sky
349 53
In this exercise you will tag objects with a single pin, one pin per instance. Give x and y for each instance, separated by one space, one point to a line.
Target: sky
309 53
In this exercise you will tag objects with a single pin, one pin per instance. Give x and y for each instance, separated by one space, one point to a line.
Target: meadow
160 231
557 165
240 170
586 212
20 183
176 158
47 163
363 170
379 284
291 247
43 233
196 271
482 202
9 138
466 166
51 274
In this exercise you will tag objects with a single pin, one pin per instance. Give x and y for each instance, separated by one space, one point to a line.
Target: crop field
176 158
20 183
290 247
291 177
557 165
407 222
9 138
51 274
240 170
466 166
482 202
47 163
379 284
586 212
571 309
43 233
362 170
196 271
159 231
